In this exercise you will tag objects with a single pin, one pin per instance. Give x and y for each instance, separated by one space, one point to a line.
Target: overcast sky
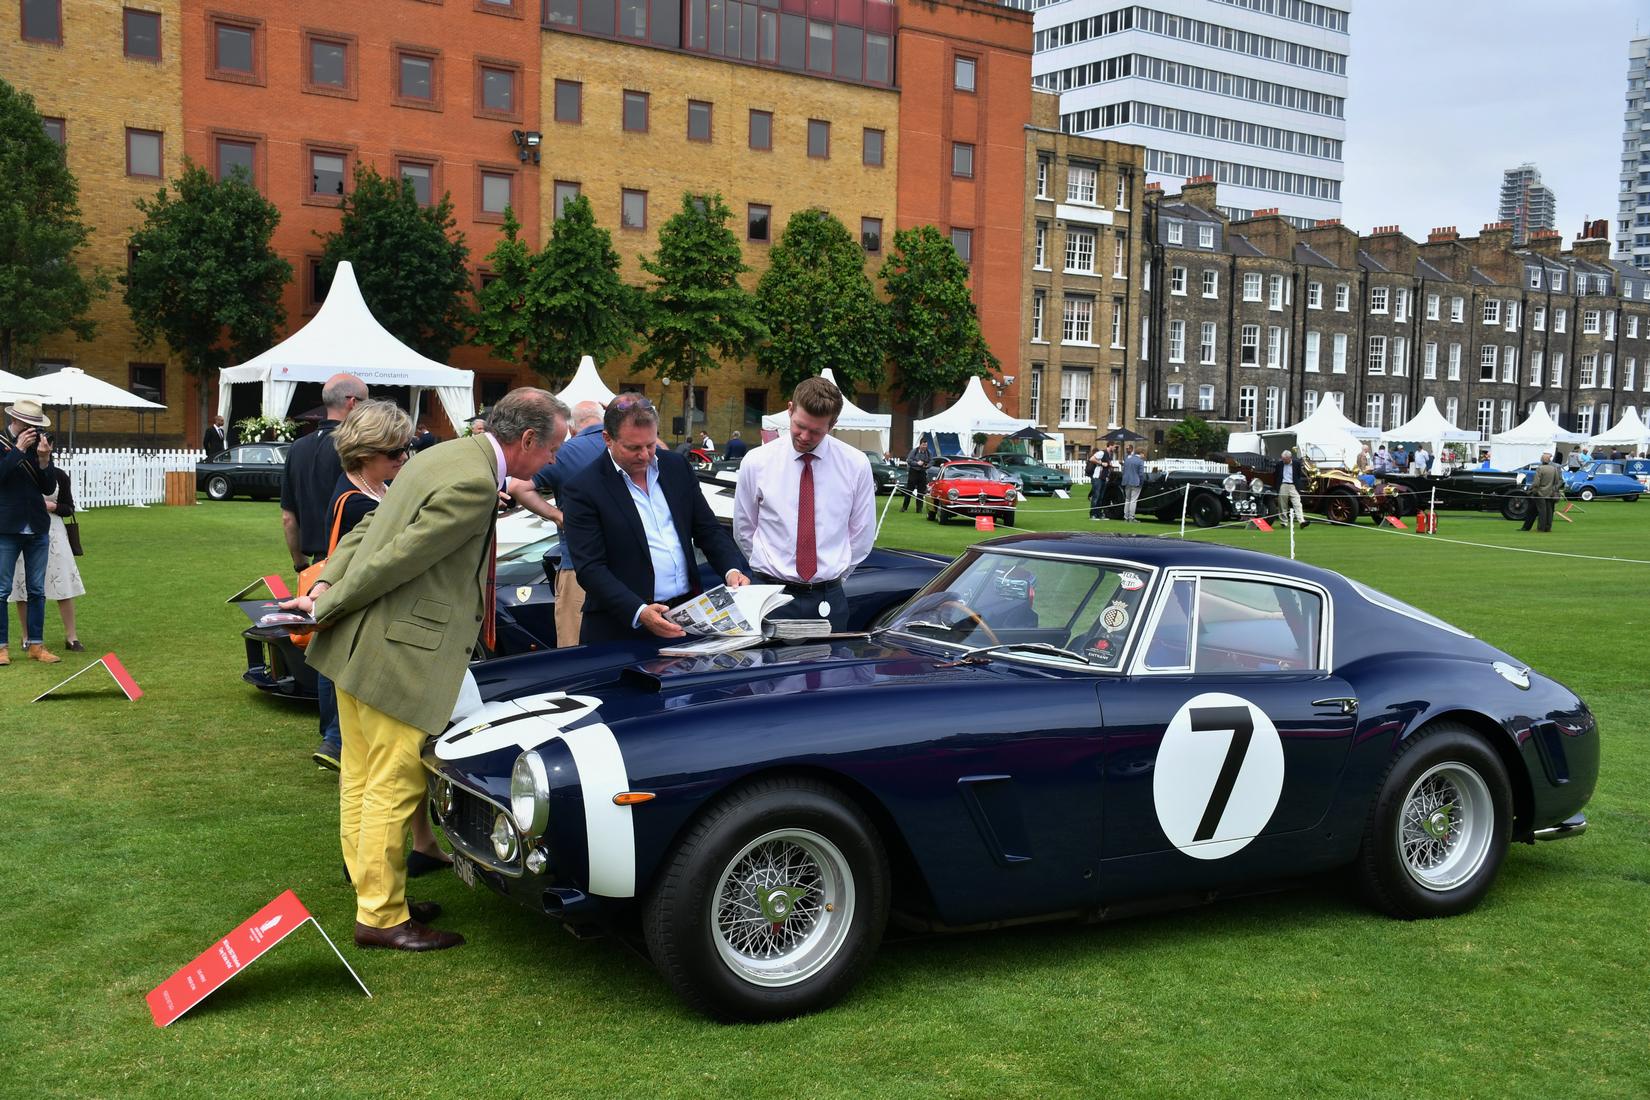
1446 94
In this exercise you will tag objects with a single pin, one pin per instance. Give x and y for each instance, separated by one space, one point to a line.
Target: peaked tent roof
1629 430
344 336
853 417
1327 422
1538 428
1429 425
587 385
973 412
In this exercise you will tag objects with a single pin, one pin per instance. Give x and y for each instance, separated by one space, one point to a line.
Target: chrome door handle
1346 704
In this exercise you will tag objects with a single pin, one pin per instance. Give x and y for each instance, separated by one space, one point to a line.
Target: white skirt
62 575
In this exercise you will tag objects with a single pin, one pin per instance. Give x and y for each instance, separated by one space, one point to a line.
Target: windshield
532 551
992 598
979 471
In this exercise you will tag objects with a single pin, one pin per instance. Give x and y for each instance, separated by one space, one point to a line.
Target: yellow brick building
587 144
121 115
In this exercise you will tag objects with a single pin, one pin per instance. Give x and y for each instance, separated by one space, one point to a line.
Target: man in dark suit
633 519
736 447
216 439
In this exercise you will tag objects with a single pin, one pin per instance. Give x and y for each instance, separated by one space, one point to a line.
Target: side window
1255 626
1171 644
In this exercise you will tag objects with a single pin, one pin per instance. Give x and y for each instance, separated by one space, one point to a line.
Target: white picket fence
100 479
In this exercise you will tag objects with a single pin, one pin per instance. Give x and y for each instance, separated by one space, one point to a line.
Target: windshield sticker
1130 582
1114 618
1219 775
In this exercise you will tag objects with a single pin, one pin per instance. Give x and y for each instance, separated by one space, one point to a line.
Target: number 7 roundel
1218 776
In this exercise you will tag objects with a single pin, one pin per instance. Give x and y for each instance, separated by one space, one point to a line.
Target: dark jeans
1097 496
33 549
328 697
914 489
1540 514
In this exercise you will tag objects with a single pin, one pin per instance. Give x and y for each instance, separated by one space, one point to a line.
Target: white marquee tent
1429 426
1326 435
856 426
345 337
973 412
1525 442
1629 433
587 385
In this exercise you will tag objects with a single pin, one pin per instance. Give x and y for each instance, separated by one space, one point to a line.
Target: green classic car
883 472
1034 476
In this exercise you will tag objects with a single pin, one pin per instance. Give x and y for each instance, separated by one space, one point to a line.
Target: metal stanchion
1185 495
1432 511
1291 535
898 489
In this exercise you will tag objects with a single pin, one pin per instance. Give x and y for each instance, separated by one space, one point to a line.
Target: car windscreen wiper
1039 647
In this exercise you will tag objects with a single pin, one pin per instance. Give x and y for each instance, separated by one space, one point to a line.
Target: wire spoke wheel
782 907
1445 830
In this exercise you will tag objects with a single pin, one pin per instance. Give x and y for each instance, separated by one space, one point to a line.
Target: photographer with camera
25 527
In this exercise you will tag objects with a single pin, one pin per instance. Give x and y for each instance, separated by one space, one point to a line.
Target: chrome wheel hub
1446 828
782 907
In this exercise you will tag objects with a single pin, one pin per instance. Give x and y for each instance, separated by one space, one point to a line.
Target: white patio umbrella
73 388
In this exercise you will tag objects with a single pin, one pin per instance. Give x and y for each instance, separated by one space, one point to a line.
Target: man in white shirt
804 513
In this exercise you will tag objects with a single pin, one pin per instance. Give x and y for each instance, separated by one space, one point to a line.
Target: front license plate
464 869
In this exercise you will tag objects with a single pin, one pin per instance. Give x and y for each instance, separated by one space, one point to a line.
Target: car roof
1157 551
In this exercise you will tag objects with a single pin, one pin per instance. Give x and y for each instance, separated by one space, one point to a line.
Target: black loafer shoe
424 911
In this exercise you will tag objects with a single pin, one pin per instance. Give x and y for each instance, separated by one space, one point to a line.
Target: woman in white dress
63 582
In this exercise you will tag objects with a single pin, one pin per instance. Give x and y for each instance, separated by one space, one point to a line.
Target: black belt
796 586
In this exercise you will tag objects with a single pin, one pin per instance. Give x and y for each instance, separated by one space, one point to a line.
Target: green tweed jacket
406 594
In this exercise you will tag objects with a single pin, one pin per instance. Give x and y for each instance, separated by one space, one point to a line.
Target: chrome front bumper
1572 826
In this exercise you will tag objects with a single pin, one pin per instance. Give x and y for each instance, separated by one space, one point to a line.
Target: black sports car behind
252 469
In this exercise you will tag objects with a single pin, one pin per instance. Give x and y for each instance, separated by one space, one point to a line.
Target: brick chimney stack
1333 241
1270 232
1491 253
1443 249
1595 249
1200 191
1443 233
1395 252
1545 242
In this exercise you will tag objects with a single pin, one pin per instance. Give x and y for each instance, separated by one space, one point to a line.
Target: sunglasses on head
632 401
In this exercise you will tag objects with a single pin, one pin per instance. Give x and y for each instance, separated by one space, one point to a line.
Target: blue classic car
1059 727
1603 477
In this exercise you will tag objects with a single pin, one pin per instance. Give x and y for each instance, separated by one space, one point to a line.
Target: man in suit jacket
633 519
1546 487
215 441
400 604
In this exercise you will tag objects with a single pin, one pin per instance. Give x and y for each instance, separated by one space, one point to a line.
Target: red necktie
489 595
807 555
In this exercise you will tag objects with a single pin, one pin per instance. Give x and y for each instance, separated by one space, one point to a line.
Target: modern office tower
1251 92
1633 220
1525 203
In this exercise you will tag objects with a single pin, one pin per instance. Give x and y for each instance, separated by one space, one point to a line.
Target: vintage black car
1457 491
251 469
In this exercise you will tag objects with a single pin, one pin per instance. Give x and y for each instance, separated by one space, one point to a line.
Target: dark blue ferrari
1057 727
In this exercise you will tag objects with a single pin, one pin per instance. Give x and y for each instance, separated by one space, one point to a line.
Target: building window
1588 377
1492 311
1400 304
1177 278
235 156
1080 253
1487 357
1205 236
819 138
237 50
1343 297
871 150
1632 318
1314 295
761 130
1117 322
962 160
1311 351
1538 319
1040 247
1274 347
1429 360
1535 368
144 153
1556 379
328 70
758 217
1248 397
1309 402
1205 398
1036 393
496 192
1176 232
1395 412
1432 307
962 74
43 21
416 79
140 31
1206 344
870 234
565 192
1251 287
1608 378
1400 357
698 120
496 91
1374 406
1452 409
963 241
147 380
1080 183
1077 320
1509 364
1122 202
1274 413
1039 298
1042 177
633 209
1176 395
1589 322
1249 346
635 112
1211 282
326 174
1512 315
1337 354
1377 302
1177 341
1629 371
1274 297
1454 363
55 130
419 177
569 101
756 407
1075 386
1561 319
1120 256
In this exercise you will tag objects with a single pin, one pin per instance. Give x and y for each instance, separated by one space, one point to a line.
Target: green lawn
138 832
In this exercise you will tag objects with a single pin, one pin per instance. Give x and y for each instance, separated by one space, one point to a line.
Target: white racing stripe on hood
502 724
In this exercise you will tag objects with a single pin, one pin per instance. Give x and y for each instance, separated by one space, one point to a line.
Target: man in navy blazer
633 517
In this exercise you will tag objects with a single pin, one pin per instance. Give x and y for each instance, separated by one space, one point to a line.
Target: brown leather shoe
43 655
409 935
5 655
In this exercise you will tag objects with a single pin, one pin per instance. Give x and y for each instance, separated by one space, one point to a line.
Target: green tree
203 276
408 260
1193 437
819 306
696 308
934 337
547 310
43 291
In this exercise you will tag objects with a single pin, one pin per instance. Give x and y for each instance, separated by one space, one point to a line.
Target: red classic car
971 487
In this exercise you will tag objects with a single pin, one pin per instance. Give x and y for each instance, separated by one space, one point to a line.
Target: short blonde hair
372 427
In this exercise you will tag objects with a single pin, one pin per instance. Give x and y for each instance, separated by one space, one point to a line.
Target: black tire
1405 869
1629 500
1515 506
218 487
1007 521
1587 493
840 916
1203 510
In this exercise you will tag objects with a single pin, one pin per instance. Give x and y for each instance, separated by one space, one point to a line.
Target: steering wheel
970 613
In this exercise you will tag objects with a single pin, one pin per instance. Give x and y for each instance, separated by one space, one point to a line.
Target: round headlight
952 494
504 837
1009 496
530 794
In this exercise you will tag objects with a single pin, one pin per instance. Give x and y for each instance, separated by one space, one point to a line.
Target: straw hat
29 412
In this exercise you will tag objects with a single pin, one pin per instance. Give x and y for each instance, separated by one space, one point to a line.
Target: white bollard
1185 495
